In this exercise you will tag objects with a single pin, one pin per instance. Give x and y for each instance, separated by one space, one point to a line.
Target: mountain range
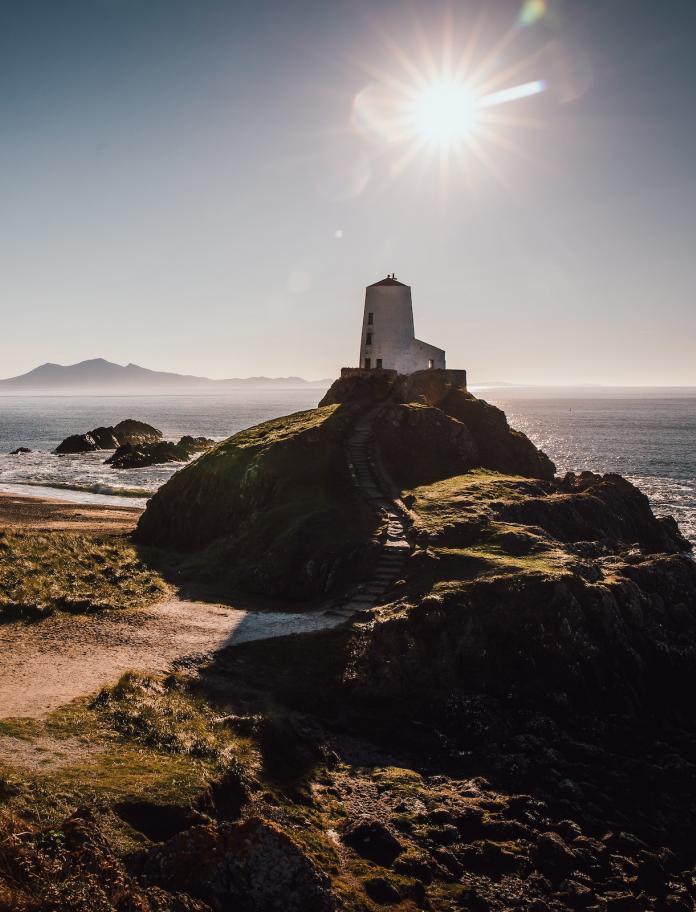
99 375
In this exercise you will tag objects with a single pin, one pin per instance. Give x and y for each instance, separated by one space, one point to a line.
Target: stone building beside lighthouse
388 339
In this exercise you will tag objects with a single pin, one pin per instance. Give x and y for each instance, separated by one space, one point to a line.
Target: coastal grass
43 572
468 497
148 738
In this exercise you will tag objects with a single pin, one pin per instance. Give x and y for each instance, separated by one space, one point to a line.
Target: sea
648 436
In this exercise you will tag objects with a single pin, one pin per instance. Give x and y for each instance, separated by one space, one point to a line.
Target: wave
88 488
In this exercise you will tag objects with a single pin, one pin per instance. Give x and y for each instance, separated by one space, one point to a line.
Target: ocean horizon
651 440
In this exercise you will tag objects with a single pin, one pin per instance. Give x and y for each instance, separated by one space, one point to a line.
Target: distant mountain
98 375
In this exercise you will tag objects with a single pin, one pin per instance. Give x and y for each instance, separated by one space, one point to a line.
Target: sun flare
462 106
445 113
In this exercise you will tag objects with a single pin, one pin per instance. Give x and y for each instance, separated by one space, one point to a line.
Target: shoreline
44 513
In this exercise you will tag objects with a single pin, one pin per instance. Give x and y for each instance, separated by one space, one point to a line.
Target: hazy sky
207 186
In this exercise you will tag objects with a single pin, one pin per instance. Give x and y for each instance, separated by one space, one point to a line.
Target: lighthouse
388 338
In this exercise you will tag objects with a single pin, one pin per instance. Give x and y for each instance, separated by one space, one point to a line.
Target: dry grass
160 714
42 572
469 497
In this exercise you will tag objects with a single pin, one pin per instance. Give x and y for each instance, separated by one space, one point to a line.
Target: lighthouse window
370 319
368 363
379 363
431 364
368 339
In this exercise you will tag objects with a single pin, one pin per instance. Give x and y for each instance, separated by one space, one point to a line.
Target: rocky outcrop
442 451
20 451
135 432
125 432
73 867
252 866
277 502
275 505
138 456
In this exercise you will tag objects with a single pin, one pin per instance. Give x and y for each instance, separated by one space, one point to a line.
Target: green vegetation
261 506
459 517
66 571
159 714
469 497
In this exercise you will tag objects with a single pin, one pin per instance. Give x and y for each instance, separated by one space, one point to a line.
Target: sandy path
51 662
45 513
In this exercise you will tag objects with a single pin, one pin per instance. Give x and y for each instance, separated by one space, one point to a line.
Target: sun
458 105
444 113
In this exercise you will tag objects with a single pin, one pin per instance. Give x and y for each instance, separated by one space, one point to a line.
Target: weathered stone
553 856
252 865
372 840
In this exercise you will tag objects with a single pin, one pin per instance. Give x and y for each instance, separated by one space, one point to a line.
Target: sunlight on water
650 441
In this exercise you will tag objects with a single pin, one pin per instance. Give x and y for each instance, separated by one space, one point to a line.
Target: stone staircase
396 549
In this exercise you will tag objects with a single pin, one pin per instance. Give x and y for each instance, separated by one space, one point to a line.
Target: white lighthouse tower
388 337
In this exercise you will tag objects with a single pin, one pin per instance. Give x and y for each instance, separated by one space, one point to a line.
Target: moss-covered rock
273 505
274 509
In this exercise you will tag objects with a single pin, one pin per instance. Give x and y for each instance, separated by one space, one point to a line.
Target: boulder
140 455
251 866
129 431
77 443
105 438
371 839
196 444
20 450
381 891
553 857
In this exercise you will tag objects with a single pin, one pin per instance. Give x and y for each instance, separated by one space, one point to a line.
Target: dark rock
20 450
136 432
140 455
105 438
381 890
110 438
487 857
77 443
227 795
623 902
552 856
252 866
154 820
372 840
195 444
469 897
443 835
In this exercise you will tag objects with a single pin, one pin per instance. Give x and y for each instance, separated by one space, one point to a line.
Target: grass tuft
73 572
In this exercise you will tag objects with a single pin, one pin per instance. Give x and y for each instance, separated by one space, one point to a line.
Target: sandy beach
45 513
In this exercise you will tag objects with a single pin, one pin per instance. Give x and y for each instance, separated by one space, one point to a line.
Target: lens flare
514 93
463 105
444 112
533 10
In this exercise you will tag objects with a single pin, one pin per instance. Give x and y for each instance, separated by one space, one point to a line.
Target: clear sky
207 186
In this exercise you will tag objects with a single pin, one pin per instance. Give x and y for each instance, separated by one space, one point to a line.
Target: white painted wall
392 332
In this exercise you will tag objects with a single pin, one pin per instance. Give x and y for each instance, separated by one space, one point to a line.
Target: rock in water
138 456
77 443
110 438
20 450
135 432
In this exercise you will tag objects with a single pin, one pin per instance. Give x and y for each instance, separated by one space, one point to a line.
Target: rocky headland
503 721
